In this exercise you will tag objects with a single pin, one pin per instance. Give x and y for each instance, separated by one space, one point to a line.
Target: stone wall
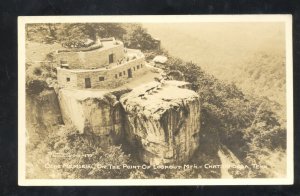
113 77
62 78
91 59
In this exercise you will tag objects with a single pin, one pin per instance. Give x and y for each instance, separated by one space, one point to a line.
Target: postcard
155 100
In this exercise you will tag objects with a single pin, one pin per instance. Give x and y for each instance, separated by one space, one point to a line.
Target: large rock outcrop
164 120
161 121
43 112
96 111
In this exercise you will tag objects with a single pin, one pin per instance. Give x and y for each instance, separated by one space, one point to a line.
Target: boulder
163 122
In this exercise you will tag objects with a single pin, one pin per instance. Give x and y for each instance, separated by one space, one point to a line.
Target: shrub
37 71
34 87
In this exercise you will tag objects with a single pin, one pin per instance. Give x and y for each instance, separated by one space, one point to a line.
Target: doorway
87 82
129 73
111 58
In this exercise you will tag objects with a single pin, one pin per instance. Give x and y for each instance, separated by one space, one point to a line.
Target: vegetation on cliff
64 151
247 125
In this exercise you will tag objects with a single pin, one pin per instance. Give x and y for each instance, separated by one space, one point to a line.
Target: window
134 69
141 65
120 74
68 79
124 73
116 76
101 78
138 67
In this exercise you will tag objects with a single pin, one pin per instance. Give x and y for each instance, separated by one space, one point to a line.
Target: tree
137 37
73 34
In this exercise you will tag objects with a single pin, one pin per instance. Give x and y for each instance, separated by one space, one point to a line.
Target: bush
37 71
34 87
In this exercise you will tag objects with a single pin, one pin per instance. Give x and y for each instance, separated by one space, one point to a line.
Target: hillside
251 55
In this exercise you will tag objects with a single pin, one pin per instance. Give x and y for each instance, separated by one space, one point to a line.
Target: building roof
160 59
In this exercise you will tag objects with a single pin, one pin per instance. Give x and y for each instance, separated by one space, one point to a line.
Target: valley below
251 55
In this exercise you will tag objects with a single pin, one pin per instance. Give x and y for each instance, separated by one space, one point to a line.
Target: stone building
106 64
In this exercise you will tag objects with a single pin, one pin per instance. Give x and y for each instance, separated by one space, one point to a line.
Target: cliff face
95 111
161 121
164 120
43 112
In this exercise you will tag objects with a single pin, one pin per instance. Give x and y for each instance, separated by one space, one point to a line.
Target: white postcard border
22 20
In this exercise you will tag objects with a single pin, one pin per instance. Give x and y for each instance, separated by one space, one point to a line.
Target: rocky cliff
43 111
43 116
96 111
164 120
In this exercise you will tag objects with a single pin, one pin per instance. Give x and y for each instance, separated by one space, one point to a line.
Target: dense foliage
36 78
263 74
137 37
88 144
68 154
75 34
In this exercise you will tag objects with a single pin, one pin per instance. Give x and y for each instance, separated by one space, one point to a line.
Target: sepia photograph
155 100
